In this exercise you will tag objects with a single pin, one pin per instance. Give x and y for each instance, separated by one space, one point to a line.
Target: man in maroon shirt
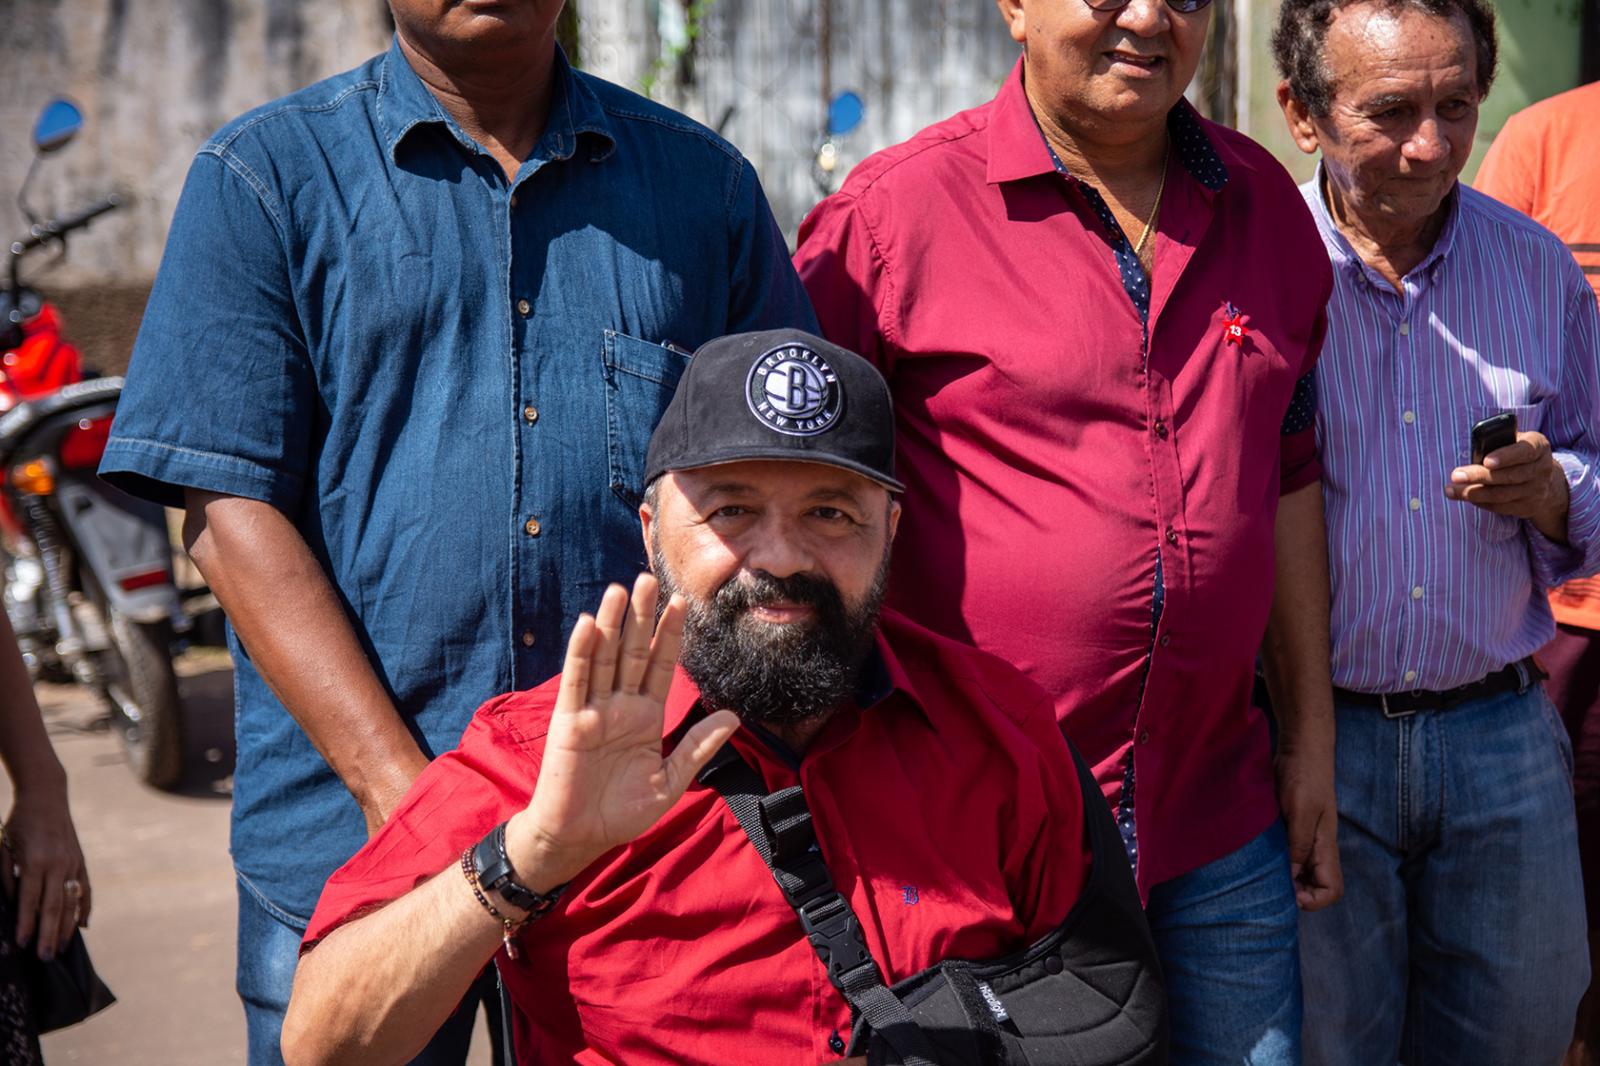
1099 315
945 801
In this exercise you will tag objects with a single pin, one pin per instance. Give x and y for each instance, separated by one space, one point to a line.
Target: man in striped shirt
1455 940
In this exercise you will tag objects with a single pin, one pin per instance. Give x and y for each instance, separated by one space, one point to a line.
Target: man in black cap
919 805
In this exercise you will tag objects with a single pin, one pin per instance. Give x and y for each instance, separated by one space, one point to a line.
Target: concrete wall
154 78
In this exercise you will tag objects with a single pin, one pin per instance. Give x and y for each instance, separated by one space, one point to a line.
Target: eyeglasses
1183 7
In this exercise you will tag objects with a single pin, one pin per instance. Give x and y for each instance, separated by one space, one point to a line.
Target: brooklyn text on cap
779 394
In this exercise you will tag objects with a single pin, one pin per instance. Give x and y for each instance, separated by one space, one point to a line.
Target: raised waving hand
603 780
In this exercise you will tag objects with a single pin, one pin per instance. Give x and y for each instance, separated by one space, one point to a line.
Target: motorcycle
89 587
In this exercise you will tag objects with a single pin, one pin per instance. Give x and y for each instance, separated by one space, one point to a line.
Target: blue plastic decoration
844 113
58 123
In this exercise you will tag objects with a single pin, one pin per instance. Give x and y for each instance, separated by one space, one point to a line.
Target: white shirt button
1416 593
1416 504
1411 675
1405 329
1409 417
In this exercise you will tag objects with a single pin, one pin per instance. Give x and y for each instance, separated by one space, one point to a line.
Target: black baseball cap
777 394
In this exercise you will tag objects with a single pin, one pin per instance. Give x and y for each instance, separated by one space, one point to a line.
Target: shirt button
1144 736
527 638
523 307
1161 430
1172 535
513 199
1405 329
1411 675
1166 638
531 527
836 1043
530 414
1416 593
1409 417
1416 504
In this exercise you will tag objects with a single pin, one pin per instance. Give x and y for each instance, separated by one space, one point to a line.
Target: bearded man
913 798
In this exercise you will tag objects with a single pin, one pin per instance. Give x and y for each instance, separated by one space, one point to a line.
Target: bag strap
779 826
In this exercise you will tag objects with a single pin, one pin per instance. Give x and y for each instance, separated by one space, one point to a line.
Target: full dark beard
777 674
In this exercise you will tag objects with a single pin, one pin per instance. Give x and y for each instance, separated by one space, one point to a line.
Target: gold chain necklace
1155 212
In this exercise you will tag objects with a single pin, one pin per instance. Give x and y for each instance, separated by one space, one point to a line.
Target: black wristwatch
494 873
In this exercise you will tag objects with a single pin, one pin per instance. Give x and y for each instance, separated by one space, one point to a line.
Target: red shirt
1046 465
948 813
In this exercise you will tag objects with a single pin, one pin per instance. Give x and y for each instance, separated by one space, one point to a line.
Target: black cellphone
1492 434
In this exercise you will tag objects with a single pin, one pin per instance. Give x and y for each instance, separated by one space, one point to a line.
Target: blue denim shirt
446 379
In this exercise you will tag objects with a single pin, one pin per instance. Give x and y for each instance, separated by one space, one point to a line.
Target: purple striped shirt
1428 592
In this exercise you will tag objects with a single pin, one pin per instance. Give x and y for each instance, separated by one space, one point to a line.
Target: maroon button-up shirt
1050 454
948 812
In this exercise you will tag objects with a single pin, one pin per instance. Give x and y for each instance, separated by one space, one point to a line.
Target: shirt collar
881 677
1343 255
404 103
1018 149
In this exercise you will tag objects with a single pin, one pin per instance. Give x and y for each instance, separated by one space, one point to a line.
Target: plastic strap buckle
834 932
787 822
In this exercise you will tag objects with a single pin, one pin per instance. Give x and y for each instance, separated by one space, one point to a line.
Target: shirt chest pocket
640 378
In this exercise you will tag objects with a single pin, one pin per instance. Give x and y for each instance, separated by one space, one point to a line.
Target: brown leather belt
1514 678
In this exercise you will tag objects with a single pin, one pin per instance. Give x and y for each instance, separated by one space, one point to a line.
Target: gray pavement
162 931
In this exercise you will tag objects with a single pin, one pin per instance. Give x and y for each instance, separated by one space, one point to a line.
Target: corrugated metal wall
762 70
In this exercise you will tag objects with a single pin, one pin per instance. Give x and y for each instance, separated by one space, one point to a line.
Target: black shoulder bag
1089 993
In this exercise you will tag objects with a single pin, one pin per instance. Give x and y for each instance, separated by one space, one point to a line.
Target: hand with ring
41 864
48 884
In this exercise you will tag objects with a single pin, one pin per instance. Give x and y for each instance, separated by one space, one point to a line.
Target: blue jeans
1460 938
269 947
1226 934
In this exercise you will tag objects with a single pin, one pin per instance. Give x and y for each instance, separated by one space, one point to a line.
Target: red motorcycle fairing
43 363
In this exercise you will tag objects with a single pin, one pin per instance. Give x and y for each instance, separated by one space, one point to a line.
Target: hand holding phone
1524 482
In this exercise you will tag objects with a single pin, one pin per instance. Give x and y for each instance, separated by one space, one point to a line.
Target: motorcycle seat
17 423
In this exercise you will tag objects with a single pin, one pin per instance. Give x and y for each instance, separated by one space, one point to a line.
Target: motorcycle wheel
142 687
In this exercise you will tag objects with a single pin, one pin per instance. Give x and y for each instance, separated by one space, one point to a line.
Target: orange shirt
1546 164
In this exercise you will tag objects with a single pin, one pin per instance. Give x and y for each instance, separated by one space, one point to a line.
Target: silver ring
73 887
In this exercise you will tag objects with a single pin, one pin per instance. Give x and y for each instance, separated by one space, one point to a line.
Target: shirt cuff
158 471
1555 564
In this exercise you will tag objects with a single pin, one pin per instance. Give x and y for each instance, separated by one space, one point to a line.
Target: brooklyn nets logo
795 391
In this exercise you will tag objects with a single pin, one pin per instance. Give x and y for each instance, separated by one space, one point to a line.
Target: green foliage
678 58
567 32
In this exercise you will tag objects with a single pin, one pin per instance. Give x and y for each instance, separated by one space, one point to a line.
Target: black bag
1089 993
63 991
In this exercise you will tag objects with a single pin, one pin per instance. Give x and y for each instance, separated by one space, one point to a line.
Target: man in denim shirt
411 334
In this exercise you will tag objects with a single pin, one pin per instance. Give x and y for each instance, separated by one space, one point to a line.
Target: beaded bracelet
509 927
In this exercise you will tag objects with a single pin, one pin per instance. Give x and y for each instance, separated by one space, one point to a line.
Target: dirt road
162 933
